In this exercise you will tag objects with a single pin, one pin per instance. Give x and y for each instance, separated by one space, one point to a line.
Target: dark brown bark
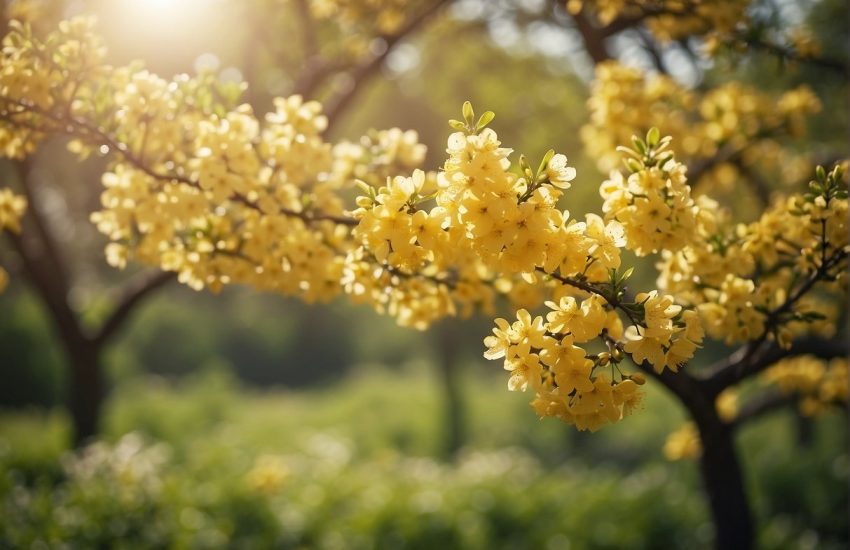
593 38
724 484
719 466
86 391
40 264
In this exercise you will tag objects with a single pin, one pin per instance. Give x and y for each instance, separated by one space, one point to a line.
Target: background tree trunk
448 335
724 484
85 391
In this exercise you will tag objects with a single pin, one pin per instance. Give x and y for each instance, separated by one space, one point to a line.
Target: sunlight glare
161 29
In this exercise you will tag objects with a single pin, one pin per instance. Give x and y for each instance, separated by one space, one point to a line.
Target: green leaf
633 165
365 187
653 136
545 162
468 113
485 119
457 125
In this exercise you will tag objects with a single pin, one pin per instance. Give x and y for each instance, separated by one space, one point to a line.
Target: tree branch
130 296
336 105
725 154
789 54
763 403
42 228
593 38
728 372
759 186
309 44
70 125
44 281
651 48
687 389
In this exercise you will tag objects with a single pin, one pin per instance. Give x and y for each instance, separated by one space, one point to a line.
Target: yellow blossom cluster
378 155
623 102
485 222
466 232
654 203
569 383
426 273
200 185
815 383
39 77
512 222
12 208
386 16
728 132
197 185
670 19
683 443
268 474
668 336
726 404
753 280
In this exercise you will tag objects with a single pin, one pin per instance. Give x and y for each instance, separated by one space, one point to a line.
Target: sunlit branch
81 128
336 105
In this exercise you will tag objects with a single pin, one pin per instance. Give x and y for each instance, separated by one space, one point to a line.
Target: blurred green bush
204 465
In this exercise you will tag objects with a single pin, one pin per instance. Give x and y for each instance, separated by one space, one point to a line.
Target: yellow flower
12 208
643 348
560 175
683 444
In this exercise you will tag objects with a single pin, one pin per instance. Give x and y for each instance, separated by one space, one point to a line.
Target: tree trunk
448 344
805 430
85 391
724 485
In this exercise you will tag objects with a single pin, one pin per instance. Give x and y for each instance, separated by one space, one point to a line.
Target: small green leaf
545 162
457 125
653 136
468 113
485 119
365 187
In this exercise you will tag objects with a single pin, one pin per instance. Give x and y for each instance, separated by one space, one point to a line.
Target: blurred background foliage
246 420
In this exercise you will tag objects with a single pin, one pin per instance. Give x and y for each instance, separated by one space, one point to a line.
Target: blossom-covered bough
200 186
